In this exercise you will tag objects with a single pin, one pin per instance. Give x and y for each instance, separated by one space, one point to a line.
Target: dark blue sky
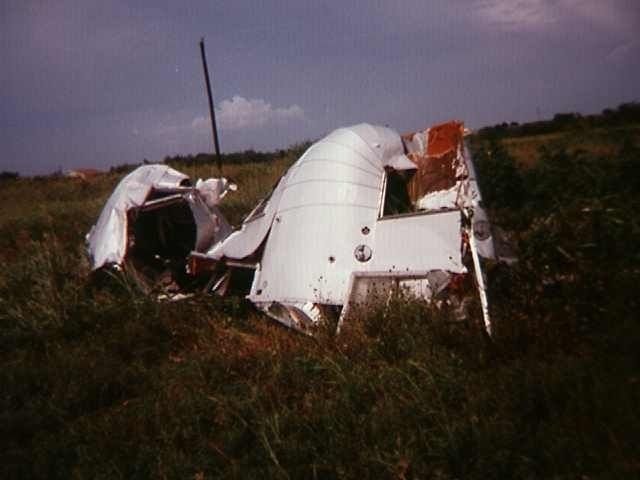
87 83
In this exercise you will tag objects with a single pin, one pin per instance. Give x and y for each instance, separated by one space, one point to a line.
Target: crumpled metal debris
364 212
154 219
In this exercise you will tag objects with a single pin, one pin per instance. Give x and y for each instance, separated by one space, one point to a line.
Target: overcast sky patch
93 84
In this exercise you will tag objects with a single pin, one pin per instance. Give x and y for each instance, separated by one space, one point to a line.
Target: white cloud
537 15
240 114
516 14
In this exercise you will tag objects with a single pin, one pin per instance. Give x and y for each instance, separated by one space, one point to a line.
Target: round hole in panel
363 253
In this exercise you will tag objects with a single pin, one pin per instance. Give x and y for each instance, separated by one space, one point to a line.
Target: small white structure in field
363 211
82 173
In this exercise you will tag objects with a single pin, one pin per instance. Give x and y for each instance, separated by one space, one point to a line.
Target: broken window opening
434 185
396 195
160 239
400 197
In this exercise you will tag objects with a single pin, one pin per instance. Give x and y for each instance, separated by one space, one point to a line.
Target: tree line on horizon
623 114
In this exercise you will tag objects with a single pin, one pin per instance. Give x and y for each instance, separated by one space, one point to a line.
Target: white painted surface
107 240
429 241
328 197
327 206
245 241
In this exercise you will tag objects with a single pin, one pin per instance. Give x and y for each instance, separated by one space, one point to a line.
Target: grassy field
100 381
601 142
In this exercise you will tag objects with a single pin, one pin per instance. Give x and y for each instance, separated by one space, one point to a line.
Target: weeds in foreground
100 381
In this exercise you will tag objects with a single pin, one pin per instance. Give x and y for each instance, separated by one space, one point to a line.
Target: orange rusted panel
432 175
437 166
444 138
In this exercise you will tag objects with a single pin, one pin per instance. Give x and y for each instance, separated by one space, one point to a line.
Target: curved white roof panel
323 225
345 169
325 208
107 240
330 197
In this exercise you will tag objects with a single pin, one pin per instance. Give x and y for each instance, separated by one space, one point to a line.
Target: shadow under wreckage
363 212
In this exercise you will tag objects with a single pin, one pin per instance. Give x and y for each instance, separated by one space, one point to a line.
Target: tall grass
100 381
602 142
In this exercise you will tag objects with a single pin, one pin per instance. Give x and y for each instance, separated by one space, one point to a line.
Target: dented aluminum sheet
154 216
361 203
107 240
446 178
363 213
244 242
328 207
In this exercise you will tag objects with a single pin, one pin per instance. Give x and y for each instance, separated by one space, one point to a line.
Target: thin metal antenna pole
212 113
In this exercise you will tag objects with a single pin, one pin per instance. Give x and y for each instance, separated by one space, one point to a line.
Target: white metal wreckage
364 211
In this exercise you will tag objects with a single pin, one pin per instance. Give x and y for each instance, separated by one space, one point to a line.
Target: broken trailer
363 212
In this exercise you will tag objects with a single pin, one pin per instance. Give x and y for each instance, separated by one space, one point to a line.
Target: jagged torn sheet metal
107 240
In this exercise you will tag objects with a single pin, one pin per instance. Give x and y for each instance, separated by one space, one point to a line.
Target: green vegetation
600 135
99 381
